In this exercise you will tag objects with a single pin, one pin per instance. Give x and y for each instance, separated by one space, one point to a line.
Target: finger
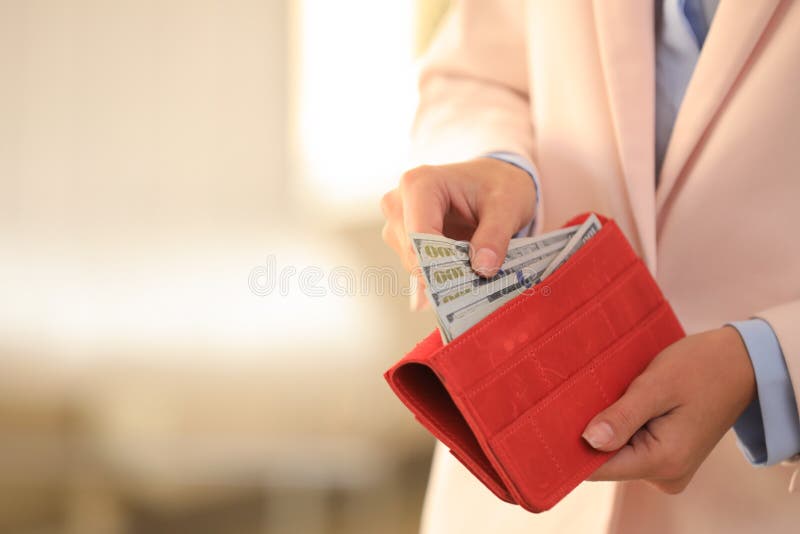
423 205
423 210
389 236
395 235
418 300
495 227
394 232
392 209
636 460
612 428
424 202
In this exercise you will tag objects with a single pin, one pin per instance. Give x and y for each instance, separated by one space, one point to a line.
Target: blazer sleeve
473 86
785 322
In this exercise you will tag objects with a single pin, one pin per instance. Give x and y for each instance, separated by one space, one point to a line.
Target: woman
679 119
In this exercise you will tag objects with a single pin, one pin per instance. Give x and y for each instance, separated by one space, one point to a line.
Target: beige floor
66 507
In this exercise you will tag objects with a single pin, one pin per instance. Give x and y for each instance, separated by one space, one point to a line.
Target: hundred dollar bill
445 274
444 277
587 230
526 273
446 286
436 249
459 308
457 321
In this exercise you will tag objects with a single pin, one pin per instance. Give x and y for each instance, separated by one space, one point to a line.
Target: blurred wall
124 117
144 171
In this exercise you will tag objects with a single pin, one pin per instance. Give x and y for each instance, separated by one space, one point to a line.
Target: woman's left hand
676 411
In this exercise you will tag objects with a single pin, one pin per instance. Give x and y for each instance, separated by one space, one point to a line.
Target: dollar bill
589 228
465 305
458 321
478 287
441 277
435 250
461 298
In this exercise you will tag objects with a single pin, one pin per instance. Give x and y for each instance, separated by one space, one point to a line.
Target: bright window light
354 91
192 302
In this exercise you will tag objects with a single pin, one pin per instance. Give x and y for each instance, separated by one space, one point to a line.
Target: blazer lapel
734 33
625 35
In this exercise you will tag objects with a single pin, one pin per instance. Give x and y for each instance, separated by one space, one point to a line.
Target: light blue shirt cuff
522 163
768 431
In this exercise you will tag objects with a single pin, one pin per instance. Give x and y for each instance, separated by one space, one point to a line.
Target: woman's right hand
484 201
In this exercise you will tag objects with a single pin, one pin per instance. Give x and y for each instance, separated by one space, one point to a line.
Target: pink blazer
570 85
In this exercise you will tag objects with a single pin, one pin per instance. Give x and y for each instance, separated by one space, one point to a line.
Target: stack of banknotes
461 298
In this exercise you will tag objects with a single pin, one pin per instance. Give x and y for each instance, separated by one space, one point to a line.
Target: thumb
613 427
489 243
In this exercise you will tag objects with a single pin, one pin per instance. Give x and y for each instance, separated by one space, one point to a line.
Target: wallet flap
424 393
552 428
563 350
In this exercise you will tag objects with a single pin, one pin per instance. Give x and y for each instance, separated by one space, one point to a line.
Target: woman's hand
674 413
483 200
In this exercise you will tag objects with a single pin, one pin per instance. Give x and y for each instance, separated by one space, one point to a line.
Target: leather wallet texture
512 395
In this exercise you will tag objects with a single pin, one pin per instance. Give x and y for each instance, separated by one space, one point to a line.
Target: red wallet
512 395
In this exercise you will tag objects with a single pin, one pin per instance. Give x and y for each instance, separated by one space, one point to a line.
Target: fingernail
485 261
599 435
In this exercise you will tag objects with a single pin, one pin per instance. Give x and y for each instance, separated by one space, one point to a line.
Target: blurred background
195 303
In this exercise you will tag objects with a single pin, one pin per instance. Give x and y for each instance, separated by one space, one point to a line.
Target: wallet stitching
578 475
653 316
547 448
579 257
540 342
457 441
501 438
608 322
600 386
548 499
543 374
